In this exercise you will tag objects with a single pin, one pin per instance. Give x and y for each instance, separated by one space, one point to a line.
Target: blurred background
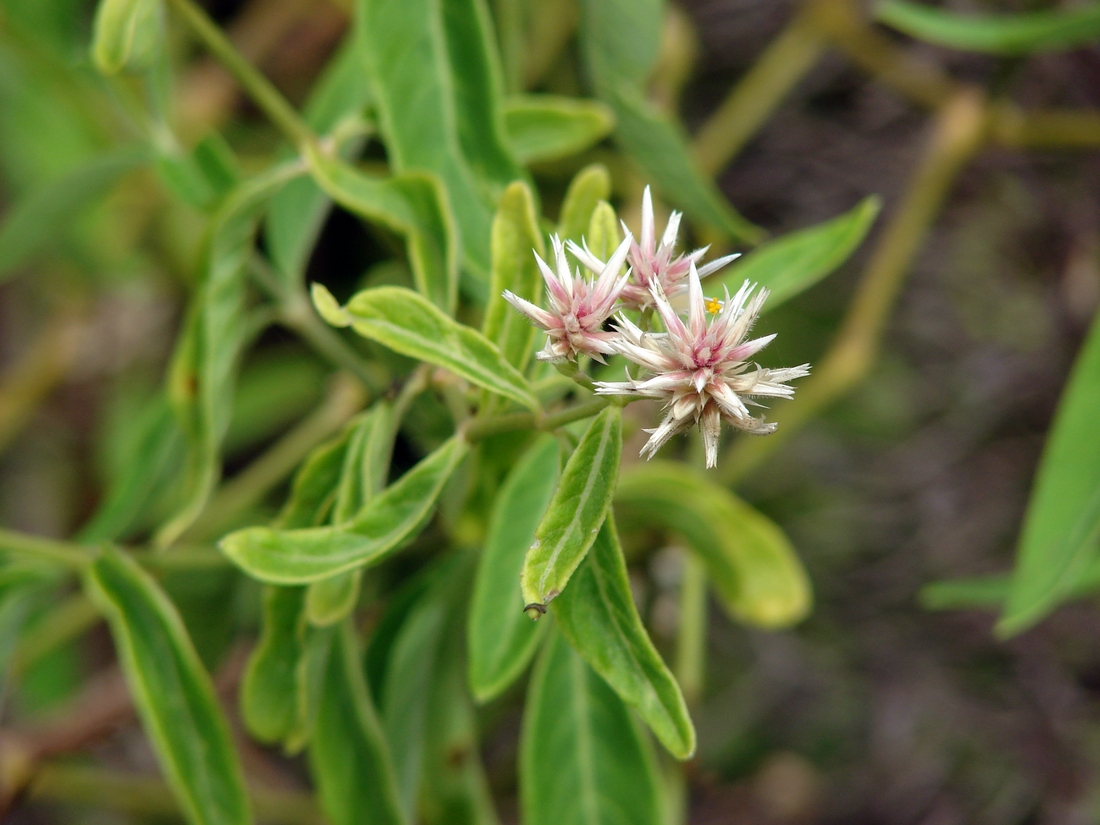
874 710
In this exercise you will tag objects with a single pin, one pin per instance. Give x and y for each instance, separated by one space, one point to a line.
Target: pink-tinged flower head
577 307
652 263
700 367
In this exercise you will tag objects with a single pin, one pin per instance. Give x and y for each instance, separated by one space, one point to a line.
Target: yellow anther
713 306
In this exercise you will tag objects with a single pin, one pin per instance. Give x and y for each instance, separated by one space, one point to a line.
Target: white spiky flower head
701 368
653 263
577 307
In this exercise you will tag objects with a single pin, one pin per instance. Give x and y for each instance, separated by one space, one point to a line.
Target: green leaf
797 261
348 757
269 688
22 589
603 234
1061 529
516 239
204 368
313 491
598 617
990 592
298 211
548 127
583 760
413 205
202 177
408 324
437 88
34 224
623 36
749 560
127 34
385 525
172 692
1048 30
330 600
577 510
591 185
500 638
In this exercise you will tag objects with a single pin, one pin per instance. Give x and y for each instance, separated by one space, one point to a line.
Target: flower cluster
699 366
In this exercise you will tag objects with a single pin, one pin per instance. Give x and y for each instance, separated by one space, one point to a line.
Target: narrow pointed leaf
786 266
384 525
500 638
173 693
407 323
547 127
591 185
1061 533
437 85
412 204
1047 30
348 756
126 34
749 560
577 510
583 760
516 239
598 617
269 692
203 374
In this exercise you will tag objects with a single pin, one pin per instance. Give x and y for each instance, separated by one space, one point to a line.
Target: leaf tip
328 307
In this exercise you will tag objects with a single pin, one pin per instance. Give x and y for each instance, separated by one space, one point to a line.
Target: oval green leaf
269 693
577 510
749 560
1048 30
516 239
407 323
1061 532
786 266
126 34
500 638
348 756
383 526
172 692
598 617
590 186
583 760
548 127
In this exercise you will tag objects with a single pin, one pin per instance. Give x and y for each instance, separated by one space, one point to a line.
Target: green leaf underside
172 692
501 639
412 204
516 239
1009 34
548 127
1061 532
406 323
583 760
598 616
348 756
268 694
789 265
203 372
384 526
126 34
437 91
576 511
33 224
750 561
590 186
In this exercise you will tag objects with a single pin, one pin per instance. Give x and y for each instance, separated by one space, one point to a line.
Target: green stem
258 87
145 797
957 135
33 548
691 640
480 428
344 399
758 93
62 624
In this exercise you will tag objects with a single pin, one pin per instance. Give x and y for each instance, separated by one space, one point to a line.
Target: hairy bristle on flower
700 367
